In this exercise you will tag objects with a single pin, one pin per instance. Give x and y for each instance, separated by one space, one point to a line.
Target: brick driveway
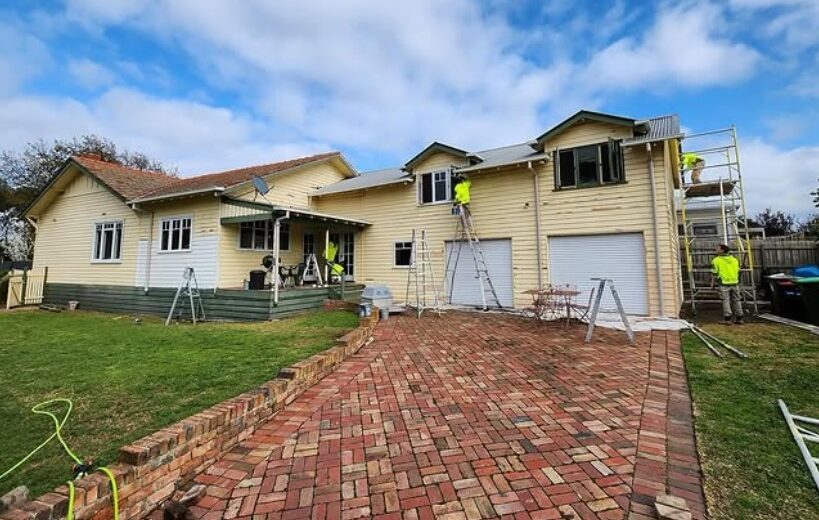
473 416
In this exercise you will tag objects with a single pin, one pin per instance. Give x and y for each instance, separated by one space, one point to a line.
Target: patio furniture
554 302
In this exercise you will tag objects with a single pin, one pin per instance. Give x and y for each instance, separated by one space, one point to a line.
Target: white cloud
779 178
90 74
393 76
683 47
195 137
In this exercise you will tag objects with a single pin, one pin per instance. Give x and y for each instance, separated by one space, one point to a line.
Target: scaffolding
720 186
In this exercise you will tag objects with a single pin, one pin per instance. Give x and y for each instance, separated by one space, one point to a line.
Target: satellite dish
260 185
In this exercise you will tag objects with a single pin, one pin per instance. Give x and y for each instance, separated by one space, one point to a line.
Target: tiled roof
127 182
230 178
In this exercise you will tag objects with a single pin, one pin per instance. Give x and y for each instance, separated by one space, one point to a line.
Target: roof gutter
212 189
403 180
480 168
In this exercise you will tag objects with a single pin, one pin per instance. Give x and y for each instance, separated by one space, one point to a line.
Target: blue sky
206 85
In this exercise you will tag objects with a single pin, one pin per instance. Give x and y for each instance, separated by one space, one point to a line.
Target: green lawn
128 380
753 468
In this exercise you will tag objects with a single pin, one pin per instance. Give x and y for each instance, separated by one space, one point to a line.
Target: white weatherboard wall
167 267
466 289
619 256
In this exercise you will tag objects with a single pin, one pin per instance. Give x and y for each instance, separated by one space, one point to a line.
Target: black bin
810 298
786 300
256 282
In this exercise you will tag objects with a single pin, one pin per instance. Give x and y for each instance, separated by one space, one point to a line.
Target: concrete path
474 416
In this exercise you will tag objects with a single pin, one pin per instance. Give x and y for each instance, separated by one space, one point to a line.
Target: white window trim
269 224
448 193
395 243
94 241
172 251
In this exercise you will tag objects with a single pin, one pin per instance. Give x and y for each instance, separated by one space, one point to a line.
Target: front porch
293 239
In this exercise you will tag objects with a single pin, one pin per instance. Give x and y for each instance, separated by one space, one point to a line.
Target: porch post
326 266
277 226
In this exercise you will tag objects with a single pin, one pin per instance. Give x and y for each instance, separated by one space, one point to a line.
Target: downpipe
538 234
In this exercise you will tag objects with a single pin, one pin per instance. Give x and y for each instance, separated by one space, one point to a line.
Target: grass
128 380
753 468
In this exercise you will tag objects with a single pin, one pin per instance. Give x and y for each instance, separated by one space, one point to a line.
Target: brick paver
473 416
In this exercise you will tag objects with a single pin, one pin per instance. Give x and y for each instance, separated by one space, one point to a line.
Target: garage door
620 256
466 289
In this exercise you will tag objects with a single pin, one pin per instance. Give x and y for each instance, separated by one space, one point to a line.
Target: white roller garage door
467 290
619 256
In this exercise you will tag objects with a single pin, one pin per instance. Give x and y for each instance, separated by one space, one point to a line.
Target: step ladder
421 275
465 232
601 288
312 270
188 288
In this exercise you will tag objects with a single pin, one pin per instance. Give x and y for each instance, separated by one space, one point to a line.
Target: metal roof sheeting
657 129
504 156
366 180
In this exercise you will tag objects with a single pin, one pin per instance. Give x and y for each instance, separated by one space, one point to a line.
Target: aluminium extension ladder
422 275
465 232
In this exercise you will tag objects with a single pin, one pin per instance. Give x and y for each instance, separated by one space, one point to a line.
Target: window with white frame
259 235
107 241
403 254
175 234
435 187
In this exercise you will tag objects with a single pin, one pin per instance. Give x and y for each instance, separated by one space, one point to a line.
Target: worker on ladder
462 192
330 252
725 268
693 163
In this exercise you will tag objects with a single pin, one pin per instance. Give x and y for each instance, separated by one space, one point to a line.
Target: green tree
24 173
776 223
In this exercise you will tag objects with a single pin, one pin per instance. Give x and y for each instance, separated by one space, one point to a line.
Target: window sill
575 188
400 267
266 251
106 262
169 252
439 203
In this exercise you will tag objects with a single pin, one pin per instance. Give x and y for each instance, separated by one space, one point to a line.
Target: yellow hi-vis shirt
462 195
330 252
689 160
726 268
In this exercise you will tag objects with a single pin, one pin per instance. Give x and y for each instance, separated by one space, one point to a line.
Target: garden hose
39 409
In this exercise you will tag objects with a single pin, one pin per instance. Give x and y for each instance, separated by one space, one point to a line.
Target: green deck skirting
225 304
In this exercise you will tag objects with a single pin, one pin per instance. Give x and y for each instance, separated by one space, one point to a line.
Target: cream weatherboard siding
166 268
292 188
620 208
65 235
502 208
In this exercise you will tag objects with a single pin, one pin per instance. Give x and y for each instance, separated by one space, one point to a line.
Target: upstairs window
587 166
175 234
107 242
435 187
259 235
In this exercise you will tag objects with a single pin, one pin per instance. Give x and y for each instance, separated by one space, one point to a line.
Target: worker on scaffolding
462 192
725 270
693 163
336 269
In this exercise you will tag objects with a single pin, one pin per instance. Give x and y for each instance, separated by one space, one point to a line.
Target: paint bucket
364 310
72 305
385 313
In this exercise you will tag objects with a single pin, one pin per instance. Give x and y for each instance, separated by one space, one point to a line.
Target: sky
205 85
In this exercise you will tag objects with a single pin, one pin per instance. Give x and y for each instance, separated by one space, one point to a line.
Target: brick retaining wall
152 468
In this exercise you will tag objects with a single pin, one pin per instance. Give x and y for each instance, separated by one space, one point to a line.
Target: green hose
39 409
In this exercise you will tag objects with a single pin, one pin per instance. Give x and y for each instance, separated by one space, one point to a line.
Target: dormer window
435 187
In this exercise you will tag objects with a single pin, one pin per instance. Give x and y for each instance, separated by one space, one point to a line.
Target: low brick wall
152 468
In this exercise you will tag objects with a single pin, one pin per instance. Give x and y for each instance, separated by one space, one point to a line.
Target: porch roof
249 211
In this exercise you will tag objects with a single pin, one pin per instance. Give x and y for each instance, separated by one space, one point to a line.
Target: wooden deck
221 305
